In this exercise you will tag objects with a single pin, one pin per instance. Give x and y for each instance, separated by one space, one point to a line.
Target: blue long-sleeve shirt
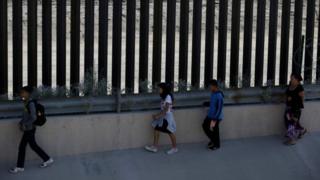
216 106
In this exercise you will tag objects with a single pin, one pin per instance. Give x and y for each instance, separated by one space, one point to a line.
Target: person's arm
301 94
219 107
163 112
206 104
32 114
212 107
288 98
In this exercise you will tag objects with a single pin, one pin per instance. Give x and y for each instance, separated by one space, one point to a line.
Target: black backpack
41 116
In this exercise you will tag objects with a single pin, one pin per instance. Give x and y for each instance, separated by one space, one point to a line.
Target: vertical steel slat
208 70
144 43
89 39
103 40
196 43
130 45
116 45
308 65
260 43
183 48
170 48
235 33
17 45
247 43
75 45
61 43
272 44
157 42
297 36
222 47
318 50
3 47
285 32
46 43
32 43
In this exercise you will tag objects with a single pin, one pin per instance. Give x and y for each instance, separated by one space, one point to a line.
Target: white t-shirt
168 100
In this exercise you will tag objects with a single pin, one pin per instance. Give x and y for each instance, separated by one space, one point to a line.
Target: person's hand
154 117
288 116
206 104
21 127
212 124
295 119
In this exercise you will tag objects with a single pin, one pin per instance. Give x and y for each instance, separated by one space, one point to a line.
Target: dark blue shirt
216 106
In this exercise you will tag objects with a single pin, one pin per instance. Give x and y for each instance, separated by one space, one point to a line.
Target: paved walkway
263 158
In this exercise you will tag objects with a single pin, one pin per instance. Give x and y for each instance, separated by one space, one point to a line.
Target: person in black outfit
295 103
29 116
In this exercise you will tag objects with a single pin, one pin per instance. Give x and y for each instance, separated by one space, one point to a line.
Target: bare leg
173 140
156 138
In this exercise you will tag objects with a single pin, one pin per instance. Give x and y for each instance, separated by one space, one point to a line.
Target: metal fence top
132 103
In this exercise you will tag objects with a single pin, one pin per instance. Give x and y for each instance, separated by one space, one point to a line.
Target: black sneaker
210 145
290 142
213 148
302 133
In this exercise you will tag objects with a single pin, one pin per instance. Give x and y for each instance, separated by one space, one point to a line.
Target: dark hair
27 89
213 82
166 87
297 76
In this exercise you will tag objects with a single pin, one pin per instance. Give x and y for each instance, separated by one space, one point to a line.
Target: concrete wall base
73 135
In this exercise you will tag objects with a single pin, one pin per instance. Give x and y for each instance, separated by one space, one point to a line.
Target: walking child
294 105
291 121
28 127
215 116
163 122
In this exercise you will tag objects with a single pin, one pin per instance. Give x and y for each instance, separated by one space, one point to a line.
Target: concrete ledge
73 135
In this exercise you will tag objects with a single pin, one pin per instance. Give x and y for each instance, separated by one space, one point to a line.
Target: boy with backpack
215 115
33 115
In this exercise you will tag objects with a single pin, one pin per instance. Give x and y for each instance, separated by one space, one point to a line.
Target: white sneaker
151 149
16 170
47 163
172 151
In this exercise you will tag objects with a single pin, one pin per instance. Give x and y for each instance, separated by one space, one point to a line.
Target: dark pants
29 138
214 135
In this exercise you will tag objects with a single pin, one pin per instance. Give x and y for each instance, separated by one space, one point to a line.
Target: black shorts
163 128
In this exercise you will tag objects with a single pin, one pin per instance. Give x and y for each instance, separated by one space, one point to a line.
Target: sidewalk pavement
261 158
